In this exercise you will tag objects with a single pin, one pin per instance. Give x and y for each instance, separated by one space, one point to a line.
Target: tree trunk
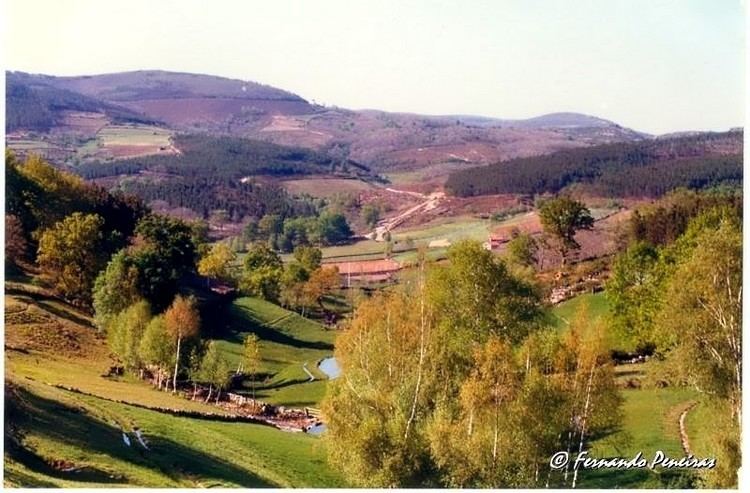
583 424
422 351
210 391
176 365
218 394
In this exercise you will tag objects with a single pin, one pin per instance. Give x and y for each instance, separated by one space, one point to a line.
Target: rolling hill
36 103
384 141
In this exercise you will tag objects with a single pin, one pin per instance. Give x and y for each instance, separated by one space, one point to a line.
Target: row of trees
683 298
454 380
169 344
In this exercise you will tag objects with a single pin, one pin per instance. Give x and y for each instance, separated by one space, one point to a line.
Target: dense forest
227 157
213 173
206 194
649 168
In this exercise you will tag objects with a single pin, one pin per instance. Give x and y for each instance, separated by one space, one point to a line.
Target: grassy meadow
60 438
289 343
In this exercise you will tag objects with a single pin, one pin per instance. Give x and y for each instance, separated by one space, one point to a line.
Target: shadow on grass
45 303
67 315
259 386
270 334
58 422
634 479
620 441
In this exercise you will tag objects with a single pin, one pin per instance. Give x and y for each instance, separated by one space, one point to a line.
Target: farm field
136 135
408 239
325 187
120 141
29 145
50 345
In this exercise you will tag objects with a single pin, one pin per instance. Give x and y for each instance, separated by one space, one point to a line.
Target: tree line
649 168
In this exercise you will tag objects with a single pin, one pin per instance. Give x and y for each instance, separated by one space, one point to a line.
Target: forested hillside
229 157
217 173
648 168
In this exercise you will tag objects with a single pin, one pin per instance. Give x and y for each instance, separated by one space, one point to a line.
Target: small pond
317 429
330 367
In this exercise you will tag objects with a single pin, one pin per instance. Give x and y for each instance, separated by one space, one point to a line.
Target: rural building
366 270
495 240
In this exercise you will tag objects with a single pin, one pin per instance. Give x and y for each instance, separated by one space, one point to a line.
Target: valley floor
60 437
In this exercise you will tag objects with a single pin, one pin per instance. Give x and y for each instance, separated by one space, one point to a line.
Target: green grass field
133 135
72 430
596 304
49 429
288 342
650 423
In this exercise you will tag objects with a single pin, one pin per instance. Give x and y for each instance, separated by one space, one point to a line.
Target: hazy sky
653 65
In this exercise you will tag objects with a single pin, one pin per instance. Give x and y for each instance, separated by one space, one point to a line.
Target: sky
653 65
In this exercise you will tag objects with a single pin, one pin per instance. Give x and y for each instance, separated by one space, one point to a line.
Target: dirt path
312 377
683 430
429 203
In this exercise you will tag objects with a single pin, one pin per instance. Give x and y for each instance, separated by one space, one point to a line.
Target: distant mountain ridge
197 103
157 84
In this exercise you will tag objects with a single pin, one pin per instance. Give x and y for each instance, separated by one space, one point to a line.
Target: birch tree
182 321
